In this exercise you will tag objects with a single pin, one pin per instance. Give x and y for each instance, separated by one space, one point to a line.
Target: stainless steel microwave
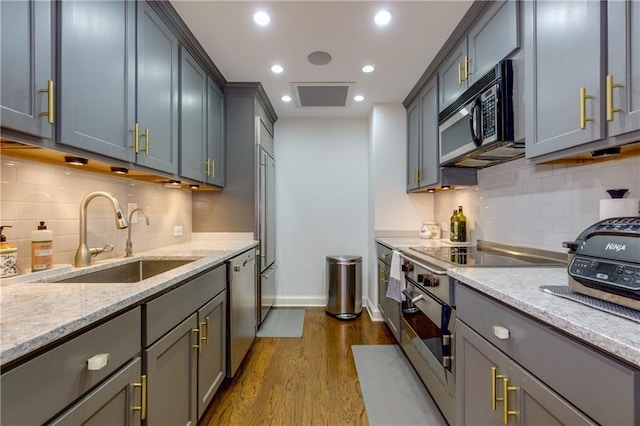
478 128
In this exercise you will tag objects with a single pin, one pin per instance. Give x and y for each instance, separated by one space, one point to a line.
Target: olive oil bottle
453 226
462 226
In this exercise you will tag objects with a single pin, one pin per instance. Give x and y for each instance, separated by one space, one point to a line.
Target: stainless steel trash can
344 286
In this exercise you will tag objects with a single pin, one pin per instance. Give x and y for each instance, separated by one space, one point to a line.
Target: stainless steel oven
428 331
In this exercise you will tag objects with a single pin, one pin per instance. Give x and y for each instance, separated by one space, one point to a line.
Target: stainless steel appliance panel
267 290
242 308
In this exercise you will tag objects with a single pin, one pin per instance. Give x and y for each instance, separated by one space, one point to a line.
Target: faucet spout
128 250
84 253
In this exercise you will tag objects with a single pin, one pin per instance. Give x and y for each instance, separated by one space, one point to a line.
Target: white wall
538 206
34 191
321 203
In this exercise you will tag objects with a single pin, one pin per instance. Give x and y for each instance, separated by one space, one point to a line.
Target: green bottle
453 226
462 226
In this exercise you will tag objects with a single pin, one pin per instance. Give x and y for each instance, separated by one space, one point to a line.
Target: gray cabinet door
193 118
429 172
493 38
157 92
393 317
413 145
564 55
110 404
26 66
212 360
383 282
451 75
486 380
215 134
171 369
624 66
97 76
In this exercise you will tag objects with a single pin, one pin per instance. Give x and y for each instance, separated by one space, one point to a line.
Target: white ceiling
401 51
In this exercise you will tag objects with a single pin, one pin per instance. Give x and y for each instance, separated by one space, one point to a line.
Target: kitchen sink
129 272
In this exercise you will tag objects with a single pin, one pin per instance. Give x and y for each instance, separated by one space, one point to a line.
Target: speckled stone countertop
35 314
404 242
519 288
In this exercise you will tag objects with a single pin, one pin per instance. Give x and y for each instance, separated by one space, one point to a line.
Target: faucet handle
97 250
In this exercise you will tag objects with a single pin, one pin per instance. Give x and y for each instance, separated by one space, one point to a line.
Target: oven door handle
411 297
428 268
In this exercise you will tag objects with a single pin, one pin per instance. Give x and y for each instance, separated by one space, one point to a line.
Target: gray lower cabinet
564 64
184 356
623 78
533 374
115 402
171 368
212 358
38 389
492 389
26 67
393 317
118 92
383 282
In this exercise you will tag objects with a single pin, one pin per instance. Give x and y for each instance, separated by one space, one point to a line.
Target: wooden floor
300 381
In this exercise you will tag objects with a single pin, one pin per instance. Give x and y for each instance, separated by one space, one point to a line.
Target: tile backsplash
538 206
33 191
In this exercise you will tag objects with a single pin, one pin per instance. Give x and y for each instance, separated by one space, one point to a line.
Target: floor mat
283 323
392 391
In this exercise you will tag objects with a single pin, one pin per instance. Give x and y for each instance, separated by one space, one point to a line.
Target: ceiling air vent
322 94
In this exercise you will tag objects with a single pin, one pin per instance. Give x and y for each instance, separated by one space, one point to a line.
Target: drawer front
164 312
384 253
36 390
571 368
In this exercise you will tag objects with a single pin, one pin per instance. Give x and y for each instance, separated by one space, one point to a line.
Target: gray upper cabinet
623 78
423 162
564 64
157 93
97 76
492 38
26 67
215 135
193 118
100 73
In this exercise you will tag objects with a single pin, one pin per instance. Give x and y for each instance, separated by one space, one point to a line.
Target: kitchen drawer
384 253
36 390
168 310
600 386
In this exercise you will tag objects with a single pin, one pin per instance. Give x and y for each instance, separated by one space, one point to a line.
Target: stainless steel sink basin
129 272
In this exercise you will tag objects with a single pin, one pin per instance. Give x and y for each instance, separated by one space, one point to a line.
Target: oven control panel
605 273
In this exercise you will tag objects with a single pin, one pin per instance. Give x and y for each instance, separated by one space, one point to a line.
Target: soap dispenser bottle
41 249
8 256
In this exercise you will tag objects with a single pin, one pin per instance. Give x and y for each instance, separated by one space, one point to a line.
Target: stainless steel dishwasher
242 308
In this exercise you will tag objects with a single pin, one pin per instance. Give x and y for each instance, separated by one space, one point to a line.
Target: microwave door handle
474 123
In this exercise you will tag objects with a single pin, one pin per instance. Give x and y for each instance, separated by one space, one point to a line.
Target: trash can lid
344 258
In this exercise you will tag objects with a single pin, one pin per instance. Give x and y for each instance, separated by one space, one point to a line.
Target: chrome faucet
84 253
128 251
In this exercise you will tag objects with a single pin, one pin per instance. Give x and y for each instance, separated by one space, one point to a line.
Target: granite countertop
35 314
519 288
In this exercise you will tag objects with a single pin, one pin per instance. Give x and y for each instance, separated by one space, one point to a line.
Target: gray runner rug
392 391
283 323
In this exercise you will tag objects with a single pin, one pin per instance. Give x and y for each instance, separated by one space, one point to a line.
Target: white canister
430 230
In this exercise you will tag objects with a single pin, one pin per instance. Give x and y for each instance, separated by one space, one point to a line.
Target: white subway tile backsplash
538 206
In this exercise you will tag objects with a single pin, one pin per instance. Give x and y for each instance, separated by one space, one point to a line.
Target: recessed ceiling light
286 98
383 17
368 68
358 98
277 69
261 18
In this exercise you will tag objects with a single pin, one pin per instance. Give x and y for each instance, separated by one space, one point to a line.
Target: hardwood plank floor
310 380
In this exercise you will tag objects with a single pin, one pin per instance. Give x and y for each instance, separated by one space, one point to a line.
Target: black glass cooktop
475 256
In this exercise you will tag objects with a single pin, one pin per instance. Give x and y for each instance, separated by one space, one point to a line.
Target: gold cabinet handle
136 137
204 337
460 74
610 86
467 73
583 107
505 405
213 168
419 175
197 346
143 397
50 101
146 145
494 377
208 162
